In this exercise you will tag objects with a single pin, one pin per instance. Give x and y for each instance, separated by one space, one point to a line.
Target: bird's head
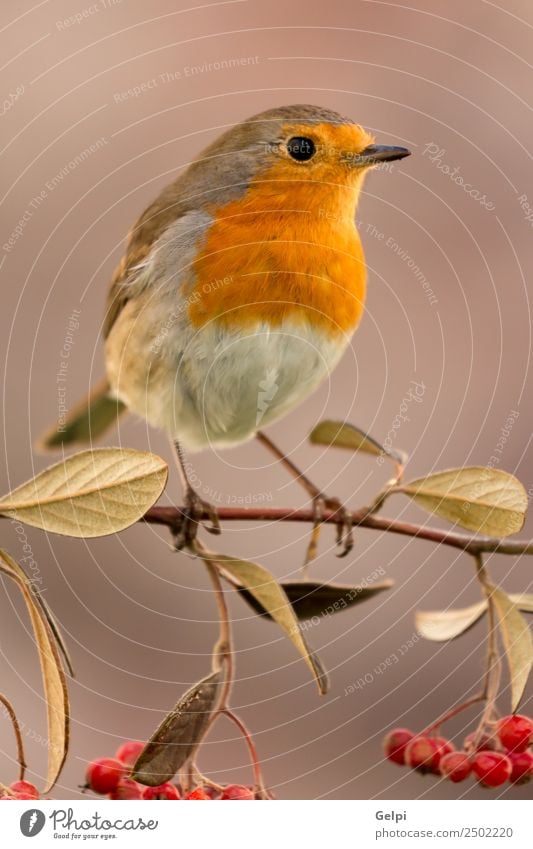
291 144
308 142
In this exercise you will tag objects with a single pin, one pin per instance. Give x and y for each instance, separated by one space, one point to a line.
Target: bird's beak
375 153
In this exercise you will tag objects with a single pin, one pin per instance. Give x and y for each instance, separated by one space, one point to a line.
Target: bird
239 290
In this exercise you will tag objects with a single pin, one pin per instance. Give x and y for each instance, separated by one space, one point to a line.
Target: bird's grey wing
165 211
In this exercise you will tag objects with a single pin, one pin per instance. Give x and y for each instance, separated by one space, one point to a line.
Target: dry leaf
441 625
480 499
272 598
179 735
55 688
524 601
87 421
54 628
517 642
310 599
344 435
91 494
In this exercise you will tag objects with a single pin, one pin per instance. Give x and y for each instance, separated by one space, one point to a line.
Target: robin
239 291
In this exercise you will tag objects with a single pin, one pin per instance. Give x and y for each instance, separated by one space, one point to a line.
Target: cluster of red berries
20 790
492 760
111 777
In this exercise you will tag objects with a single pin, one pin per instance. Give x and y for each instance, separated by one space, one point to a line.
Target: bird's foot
343 522
196 512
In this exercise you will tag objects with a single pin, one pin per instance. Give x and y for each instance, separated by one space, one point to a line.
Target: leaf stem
378 502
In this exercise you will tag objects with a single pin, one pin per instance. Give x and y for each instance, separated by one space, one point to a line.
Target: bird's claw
343 523
196 512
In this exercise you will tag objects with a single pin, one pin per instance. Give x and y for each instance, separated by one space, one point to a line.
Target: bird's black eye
301 148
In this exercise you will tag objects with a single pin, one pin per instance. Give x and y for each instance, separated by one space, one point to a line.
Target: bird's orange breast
287 250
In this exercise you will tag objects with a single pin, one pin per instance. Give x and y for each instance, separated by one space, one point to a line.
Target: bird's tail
87 421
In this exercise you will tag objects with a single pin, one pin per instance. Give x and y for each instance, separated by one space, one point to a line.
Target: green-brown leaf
310 598
179 735
91 494
87 421
272 598
55 687
345 435
517 642
485 500
441 625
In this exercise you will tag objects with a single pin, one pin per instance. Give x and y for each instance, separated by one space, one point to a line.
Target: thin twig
200 779
172 516
493 664
18 736
492 671
223 650
254 758
450 714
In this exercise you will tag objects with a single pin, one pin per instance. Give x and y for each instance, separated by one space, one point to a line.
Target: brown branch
172 517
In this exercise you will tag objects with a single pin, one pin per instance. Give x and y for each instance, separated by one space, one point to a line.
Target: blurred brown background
451 80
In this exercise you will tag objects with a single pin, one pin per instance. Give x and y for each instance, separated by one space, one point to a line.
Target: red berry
103 775
491 768
423 754
522 767
163 791
211 791
127 788
129 752
198 793
455 766
237 791
515 732
485 744
7 798
25 796
395 743
19 787
445 746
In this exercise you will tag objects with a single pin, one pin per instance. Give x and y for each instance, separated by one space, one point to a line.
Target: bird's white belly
210 385
228 385
207 385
